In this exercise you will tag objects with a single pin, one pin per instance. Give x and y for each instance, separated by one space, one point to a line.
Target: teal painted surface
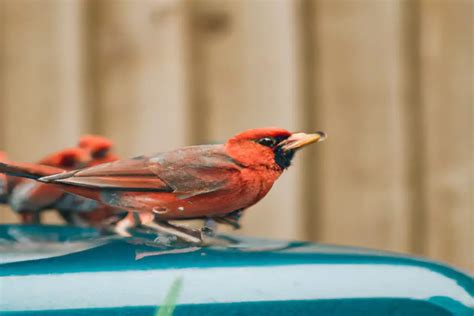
53 270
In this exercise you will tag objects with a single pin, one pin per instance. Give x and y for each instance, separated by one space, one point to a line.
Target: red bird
3 180
99 148
209 181
28 197
77 210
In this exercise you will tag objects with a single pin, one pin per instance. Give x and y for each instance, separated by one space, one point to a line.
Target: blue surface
52 270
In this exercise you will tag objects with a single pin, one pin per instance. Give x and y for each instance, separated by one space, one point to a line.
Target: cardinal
3 180
29 198
80 211
216 182
99 147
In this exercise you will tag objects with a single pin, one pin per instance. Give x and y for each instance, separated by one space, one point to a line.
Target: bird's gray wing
187 171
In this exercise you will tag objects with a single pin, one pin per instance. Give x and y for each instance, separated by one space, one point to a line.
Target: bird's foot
232 219
183 233
123 226
209 228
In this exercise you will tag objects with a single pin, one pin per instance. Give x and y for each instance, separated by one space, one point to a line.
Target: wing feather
187 171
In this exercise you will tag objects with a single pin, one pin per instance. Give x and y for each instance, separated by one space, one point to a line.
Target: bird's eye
99 154
267 141
68 161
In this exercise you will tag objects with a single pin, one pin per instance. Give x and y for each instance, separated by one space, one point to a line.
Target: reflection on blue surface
72 271
366 307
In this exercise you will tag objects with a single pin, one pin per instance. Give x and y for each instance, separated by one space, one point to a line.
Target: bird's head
69 158
99 147
271 147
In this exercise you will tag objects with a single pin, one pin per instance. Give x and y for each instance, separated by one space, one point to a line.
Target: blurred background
390 81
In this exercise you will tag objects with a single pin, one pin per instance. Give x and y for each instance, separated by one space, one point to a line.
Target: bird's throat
283 158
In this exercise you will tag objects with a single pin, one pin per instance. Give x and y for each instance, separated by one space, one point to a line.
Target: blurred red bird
209 181
3 180
99 147
80 211
28 197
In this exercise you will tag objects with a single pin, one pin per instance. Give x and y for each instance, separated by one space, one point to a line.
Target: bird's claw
207 232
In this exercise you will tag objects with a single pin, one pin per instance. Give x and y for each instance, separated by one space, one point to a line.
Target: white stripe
222 285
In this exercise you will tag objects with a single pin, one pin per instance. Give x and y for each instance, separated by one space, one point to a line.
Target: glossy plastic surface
52 270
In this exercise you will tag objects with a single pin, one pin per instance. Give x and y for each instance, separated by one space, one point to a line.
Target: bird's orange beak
299 140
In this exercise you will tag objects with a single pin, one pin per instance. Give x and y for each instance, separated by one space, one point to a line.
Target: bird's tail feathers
28 170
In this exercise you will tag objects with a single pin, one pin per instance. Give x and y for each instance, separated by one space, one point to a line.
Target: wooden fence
390 81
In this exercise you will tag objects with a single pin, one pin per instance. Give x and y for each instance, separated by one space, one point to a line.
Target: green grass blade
169 304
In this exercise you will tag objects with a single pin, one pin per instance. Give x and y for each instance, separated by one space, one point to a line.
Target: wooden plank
359 94
245 76
447 95
41 78
138 56
42 91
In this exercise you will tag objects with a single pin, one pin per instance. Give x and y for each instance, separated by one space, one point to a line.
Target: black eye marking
267 141
68 161
101 153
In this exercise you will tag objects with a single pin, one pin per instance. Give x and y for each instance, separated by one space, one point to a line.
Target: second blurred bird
29 198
